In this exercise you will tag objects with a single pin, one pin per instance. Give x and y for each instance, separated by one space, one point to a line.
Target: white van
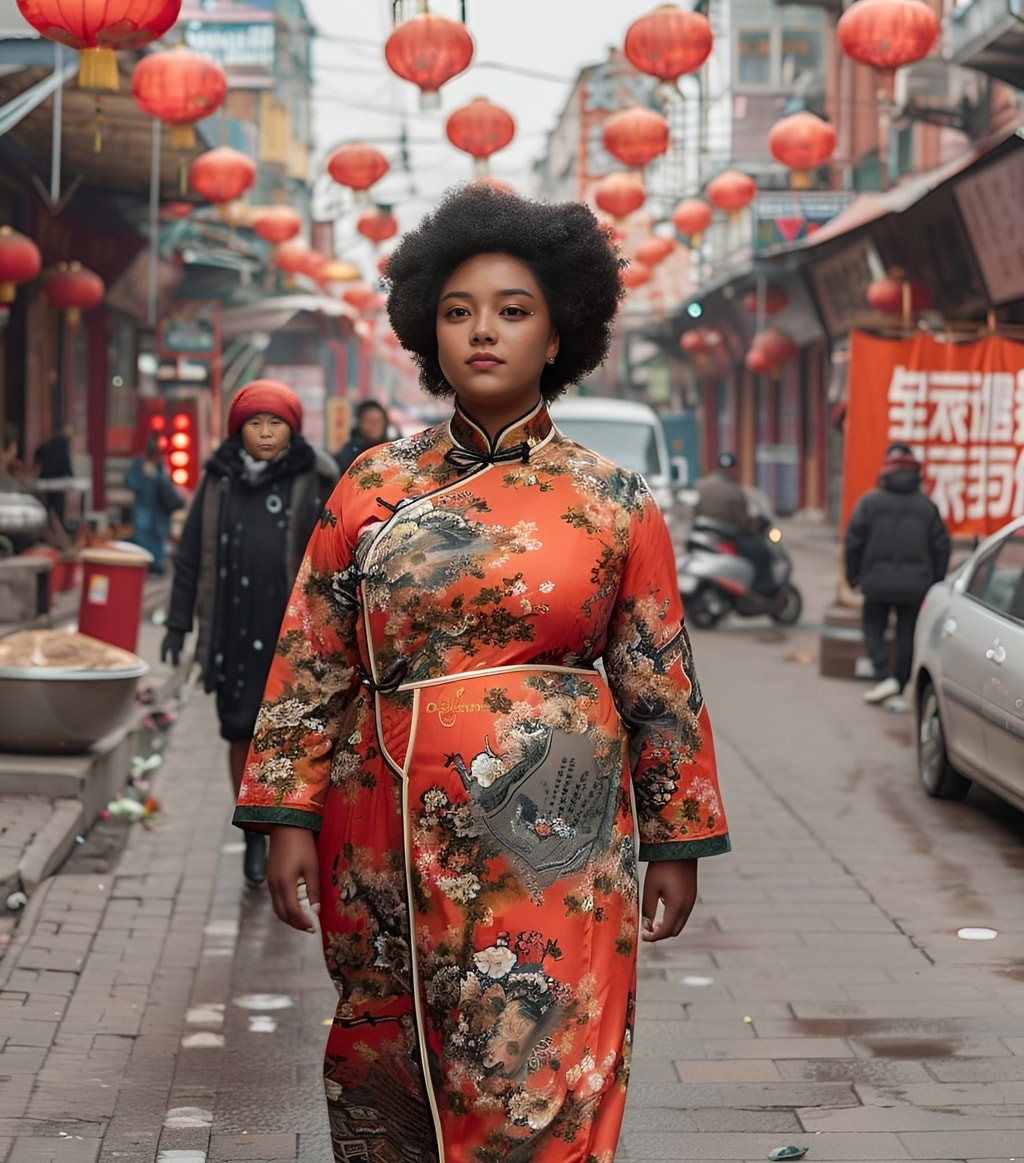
624 431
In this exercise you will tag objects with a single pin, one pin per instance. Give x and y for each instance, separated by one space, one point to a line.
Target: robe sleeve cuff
257 819
684 849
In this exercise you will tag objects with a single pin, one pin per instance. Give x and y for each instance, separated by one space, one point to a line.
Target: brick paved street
820 996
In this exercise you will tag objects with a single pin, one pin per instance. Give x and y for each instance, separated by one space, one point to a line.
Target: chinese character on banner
959 406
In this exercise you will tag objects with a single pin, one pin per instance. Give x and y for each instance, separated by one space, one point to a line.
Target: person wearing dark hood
260 497
371 429
897 547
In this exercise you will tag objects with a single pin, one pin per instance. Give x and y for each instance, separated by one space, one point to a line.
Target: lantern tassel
7 292
97 69
183 136
97 136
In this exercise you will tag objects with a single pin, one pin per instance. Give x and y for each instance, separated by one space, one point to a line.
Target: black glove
173 643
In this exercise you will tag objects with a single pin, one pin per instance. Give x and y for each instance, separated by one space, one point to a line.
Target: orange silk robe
434 712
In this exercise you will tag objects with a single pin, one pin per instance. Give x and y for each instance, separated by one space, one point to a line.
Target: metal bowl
50 710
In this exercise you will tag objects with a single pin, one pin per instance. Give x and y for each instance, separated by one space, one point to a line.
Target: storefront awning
274 313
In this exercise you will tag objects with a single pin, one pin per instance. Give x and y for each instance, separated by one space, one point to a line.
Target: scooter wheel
788 608
705 609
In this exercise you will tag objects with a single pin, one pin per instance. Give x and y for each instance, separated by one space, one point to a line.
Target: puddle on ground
883 1038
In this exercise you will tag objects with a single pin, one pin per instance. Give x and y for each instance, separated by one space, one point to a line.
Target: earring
551 360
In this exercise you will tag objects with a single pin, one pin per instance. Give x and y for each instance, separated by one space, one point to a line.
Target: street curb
23 931
51 845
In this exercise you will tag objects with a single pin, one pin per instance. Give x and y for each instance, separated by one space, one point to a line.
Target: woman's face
265 436
494 335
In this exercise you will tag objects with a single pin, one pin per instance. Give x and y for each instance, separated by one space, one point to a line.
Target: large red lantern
654 250
619 194
97 28
731 191
887 34
20 262
179 87
480 129
429 50
276 224
636 136
377 225
74 289
669 42
691 218
894 296
357 166
802 142
775 300
635 275
222 174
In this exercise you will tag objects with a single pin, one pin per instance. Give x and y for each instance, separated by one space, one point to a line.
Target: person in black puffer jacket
897 547
260 497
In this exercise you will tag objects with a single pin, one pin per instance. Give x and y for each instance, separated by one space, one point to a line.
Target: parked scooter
716 579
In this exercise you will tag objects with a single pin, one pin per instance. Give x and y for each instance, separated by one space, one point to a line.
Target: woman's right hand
292 859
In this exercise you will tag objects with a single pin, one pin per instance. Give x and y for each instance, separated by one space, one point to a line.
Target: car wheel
706 608
939 777
789 608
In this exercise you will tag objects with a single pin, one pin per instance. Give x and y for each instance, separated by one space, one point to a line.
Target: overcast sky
358 97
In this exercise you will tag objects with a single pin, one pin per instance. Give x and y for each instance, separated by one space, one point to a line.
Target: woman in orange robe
482 667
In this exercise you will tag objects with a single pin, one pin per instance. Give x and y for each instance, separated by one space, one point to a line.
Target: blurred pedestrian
156 499
439 759
722 499
53 471
897 547
371 429
261 494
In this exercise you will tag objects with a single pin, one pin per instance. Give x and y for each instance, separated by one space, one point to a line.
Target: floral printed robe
434 713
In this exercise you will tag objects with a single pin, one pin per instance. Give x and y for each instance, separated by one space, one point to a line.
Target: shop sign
990 202
239 48
841 286
783 218
960 408
190 329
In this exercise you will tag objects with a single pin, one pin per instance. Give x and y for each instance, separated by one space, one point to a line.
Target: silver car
968 680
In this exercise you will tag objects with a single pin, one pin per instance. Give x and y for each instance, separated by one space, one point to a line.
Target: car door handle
949 627
996 653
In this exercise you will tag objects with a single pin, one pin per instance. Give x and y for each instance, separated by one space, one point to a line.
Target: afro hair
571 256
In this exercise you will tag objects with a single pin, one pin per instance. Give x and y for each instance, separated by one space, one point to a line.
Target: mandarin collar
530 429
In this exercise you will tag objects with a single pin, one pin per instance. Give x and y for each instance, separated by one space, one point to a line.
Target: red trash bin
113 580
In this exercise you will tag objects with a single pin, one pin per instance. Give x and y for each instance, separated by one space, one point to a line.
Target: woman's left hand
674 883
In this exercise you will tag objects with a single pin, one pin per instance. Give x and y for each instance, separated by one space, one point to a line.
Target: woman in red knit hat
258 501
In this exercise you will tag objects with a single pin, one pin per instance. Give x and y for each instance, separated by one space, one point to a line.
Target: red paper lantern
887 33
175 211
620 194
314 265
179 87
276 224
480 129
692 218
887 295
222 174
20 262
357 166
731 191
635 275
365 300
776 347
775 300
669 42
802 142
74 289
429 50
692 342
97 28
757 362
654 250
291 257
377 225
338 271
636 136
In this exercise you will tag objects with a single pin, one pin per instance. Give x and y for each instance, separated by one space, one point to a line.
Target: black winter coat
239 553
896 545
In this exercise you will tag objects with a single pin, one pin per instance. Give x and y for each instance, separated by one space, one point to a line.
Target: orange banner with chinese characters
959 406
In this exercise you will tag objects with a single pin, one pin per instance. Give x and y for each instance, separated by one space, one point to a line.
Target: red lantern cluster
654 250
74 289
480 129
429 50
636 136
775 300
20 262
96 28
669 42
802 142
691 218
222 174
731 191
377 225
887 34
893 296
357 166
179 87
619 194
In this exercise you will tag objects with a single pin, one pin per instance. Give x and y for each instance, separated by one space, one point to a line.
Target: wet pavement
153 1009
